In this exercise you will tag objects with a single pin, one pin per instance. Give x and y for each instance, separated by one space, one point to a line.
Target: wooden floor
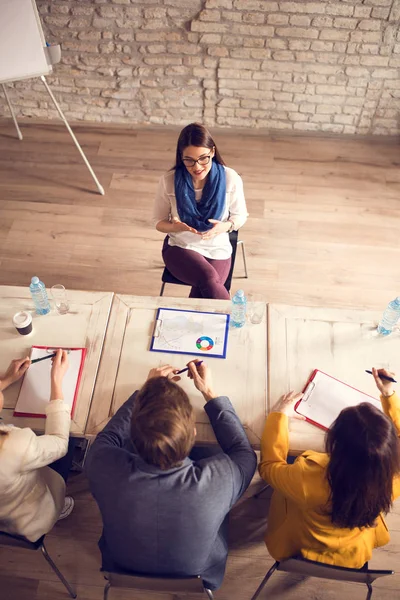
324 212
323 231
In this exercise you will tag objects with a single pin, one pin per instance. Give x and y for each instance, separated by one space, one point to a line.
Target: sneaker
67 509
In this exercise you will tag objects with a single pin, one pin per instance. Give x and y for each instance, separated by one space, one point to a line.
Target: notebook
324 397
190 332
34 394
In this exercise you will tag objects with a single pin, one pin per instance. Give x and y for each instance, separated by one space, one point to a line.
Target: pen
35 360
187 368
383 376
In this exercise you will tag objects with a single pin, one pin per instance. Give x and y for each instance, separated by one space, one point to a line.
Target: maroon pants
206 275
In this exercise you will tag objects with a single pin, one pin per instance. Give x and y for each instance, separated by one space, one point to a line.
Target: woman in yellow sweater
329 507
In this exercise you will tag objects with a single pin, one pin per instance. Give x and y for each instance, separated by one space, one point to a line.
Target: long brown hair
195 134
364 457
162 425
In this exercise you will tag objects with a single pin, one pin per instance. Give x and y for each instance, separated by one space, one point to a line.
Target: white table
341 342
84 326
127 360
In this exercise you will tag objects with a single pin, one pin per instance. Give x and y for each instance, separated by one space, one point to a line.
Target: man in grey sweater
164 503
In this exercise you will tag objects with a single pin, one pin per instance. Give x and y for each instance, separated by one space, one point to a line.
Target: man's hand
15 371
385 387
201 376
164 371
286 404
218 227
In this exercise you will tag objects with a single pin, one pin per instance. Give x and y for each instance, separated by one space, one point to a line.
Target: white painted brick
296 116
277 19
253 18
362 12
370 25
300 20
345 23
283 55
373 37
303 7
320 118
297 32
385 73
299 44
332 128
306 126
329 109
256 5
344 119
340 9
219 4
375 61
280 96
307 108
321 46
334 34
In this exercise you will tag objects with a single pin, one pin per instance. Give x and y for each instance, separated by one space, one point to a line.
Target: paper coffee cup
23 322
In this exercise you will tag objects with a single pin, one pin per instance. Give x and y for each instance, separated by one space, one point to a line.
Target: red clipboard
309 388
78 380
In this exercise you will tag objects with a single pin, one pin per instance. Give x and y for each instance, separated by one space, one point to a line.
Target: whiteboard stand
60 112
12 112
24 54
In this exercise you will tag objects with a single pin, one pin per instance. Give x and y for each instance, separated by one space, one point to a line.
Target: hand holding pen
384 381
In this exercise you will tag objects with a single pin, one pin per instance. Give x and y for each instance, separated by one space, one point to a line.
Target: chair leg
369 595
241 242
265 487
209 593
57 571
106 588
162 288
264 581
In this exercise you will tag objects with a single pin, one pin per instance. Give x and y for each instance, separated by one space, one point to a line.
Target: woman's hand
179 226
201 376
218 227
286 404
385 387
59 367
164 371
15 371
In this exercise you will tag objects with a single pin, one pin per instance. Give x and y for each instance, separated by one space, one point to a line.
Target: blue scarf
212 203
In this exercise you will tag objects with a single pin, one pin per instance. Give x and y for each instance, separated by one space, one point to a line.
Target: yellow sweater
297 521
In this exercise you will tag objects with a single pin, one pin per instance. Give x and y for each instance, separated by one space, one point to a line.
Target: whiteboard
22 43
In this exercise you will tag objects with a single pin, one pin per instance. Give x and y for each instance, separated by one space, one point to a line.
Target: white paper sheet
325 397
34 394
191 332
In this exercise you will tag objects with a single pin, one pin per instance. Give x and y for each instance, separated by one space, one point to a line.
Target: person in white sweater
32 495
198 203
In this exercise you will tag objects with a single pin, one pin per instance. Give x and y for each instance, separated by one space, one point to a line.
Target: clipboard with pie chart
190 332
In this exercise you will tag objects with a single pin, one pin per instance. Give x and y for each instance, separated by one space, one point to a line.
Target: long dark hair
364 457
195 134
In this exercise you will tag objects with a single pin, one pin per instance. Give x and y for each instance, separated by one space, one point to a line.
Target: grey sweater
169 522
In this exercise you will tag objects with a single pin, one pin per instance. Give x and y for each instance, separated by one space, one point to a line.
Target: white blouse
217 247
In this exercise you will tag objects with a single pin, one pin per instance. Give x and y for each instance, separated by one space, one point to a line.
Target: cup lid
22 319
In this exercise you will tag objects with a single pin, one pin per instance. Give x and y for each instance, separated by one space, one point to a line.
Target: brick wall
328 66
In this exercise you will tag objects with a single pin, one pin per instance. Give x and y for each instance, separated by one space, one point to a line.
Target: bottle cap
22 319
35 280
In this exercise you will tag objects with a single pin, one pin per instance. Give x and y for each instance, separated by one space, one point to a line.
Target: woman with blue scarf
197 204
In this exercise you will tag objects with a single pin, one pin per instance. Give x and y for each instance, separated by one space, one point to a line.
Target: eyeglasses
203 160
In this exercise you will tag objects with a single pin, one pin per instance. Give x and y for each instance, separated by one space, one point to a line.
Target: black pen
386 377
187 368
35 360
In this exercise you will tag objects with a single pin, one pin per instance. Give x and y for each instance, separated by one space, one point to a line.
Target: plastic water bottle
39 296
238 313
390 317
